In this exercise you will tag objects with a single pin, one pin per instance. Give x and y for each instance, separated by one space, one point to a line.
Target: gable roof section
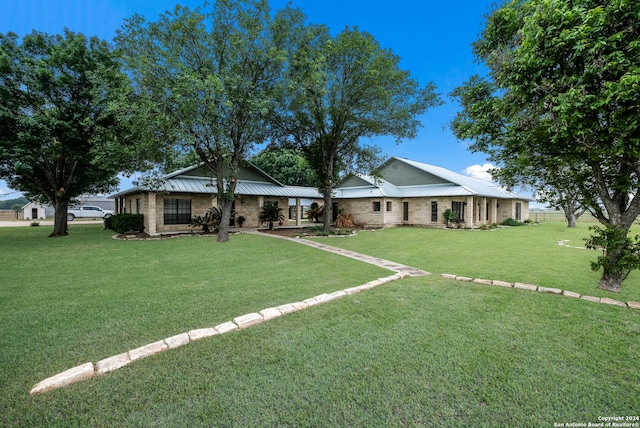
252 181
403 178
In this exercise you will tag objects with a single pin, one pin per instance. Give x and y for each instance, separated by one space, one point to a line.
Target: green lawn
529 254
417 352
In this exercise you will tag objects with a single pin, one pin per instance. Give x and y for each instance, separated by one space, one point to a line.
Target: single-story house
408 194
417 194
170 205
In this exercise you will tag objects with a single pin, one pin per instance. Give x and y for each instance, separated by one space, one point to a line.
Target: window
177 211
458 208
434 211
405 211
518 211
376 206
137 205
389 206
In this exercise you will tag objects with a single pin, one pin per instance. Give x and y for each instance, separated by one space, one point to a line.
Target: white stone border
531 287
109 364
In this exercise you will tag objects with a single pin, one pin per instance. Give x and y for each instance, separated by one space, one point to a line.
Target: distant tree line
10 204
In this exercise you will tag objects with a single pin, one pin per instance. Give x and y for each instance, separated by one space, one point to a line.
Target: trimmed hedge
122 223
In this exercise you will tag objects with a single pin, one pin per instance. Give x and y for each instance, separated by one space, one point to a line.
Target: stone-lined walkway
89 370
392 266
532 287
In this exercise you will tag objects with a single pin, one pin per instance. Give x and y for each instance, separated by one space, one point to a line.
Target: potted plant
240 220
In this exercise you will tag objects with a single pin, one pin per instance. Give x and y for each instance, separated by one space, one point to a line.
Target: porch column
483 211
298 212
494 211
471 214
152 226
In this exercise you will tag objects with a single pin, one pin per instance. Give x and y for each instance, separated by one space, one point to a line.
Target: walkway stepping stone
502 283
177 340
523 286
85 371
112 363
148 350
248 320
201 333
226 327
270 313
608 301
550 290
571 294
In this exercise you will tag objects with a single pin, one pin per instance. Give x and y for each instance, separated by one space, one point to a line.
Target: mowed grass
417 352
528 254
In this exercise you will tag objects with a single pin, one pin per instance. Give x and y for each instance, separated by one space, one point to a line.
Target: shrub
314 212
344 221
270 213
122 223
511 222
35 223
450 217
108 223
210 222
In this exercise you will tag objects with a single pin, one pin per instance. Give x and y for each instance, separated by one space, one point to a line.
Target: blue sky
432 38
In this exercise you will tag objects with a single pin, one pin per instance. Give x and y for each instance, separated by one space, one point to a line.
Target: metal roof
458 185
188 184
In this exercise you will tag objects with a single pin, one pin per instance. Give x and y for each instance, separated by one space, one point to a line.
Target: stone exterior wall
145 203
249 207
419 211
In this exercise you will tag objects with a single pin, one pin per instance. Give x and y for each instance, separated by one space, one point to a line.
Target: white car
88 211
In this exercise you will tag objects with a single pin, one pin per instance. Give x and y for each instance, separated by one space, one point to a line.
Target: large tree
206 81
287 165
345 89
58 136
562 96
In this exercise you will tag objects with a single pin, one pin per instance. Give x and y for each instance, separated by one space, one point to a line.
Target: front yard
417 352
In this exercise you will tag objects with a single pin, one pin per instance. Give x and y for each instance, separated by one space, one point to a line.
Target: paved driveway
18 223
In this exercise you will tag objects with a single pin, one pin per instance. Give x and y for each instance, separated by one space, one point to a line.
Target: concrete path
392 266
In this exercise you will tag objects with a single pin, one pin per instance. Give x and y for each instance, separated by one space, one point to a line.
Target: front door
34 213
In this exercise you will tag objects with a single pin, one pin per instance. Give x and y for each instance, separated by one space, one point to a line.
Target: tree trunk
225 219
326 224
612 274
60 218
571 212
611 281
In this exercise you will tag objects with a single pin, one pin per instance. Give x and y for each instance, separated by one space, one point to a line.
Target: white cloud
480 171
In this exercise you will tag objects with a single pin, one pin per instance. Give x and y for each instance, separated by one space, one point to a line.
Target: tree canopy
560 108
344 89
288 166
206 80
58 136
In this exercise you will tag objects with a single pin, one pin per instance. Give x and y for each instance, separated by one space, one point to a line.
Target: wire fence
540 216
